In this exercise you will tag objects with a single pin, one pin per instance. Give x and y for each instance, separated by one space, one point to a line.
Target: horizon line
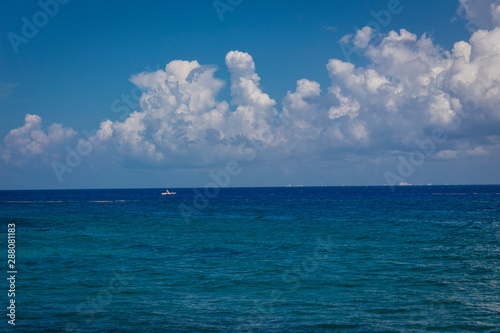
235 187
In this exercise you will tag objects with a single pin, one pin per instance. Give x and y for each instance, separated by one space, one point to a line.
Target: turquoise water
328 259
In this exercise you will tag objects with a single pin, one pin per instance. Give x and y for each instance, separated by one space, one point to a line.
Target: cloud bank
32 142
481 14
410 87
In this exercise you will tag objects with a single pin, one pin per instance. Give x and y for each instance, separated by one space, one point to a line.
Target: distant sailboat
168 193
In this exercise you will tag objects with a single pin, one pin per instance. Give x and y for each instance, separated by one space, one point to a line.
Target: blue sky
79 66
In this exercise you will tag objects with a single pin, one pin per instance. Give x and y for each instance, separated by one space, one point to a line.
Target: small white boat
168 193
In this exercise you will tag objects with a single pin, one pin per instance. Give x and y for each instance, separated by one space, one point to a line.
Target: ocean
299 259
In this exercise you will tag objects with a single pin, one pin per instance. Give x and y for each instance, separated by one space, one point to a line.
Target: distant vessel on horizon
168 193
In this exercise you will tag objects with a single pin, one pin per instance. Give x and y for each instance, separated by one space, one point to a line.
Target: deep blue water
320 259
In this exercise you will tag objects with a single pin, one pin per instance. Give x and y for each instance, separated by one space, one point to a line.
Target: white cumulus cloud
31 140
408 87
481 14
180 116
